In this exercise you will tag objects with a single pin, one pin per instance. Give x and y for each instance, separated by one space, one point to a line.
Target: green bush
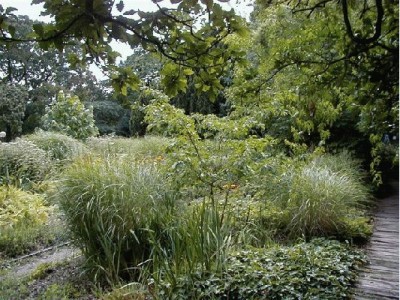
114 208
58 146
69 116
320 269
23 163
23 218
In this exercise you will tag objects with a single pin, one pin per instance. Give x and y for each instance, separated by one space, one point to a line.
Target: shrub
69 116
111 117
23 217
114 208
58 146
22 163
321 269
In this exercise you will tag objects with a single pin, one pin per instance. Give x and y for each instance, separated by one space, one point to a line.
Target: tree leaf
120 6
188 72
10 9
130 12
38 28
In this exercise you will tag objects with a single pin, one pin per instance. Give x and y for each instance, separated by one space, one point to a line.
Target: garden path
380 277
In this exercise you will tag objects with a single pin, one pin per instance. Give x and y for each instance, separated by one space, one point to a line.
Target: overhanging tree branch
378 24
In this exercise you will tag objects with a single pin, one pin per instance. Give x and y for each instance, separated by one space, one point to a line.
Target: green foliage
113 208
132 290
191 35
23 218
61 291
59 147
311 78
23 163
320 269
12 107
69 116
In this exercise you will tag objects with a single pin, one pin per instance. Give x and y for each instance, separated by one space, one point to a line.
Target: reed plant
199 241
114 208
318 196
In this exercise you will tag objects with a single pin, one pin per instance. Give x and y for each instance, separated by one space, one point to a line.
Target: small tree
12 109
69 116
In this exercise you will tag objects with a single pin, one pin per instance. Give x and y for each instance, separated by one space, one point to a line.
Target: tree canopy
191 36
323 74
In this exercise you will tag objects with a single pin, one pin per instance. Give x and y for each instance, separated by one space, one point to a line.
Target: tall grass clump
318 198
23 163
135 148
198 242
58 146
114 209
23 216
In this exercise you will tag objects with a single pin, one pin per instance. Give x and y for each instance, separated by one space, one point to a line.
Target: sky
33 11
242 7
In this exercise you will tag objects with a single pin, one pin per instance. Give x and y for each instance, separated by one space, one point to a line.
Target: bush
321 269
58 146
23 163
69 116
23 217
114 208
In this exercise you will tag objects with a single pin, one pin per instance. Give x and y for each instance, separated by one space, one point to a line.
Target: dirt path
24 266
380 278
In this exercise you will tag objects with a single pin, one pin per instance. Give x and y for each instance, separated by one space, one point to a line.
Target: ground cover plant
320 269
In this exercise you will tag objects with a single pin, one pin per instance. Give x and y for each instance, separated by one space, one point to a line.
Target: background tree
43 73
179 34
12 109
313 82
